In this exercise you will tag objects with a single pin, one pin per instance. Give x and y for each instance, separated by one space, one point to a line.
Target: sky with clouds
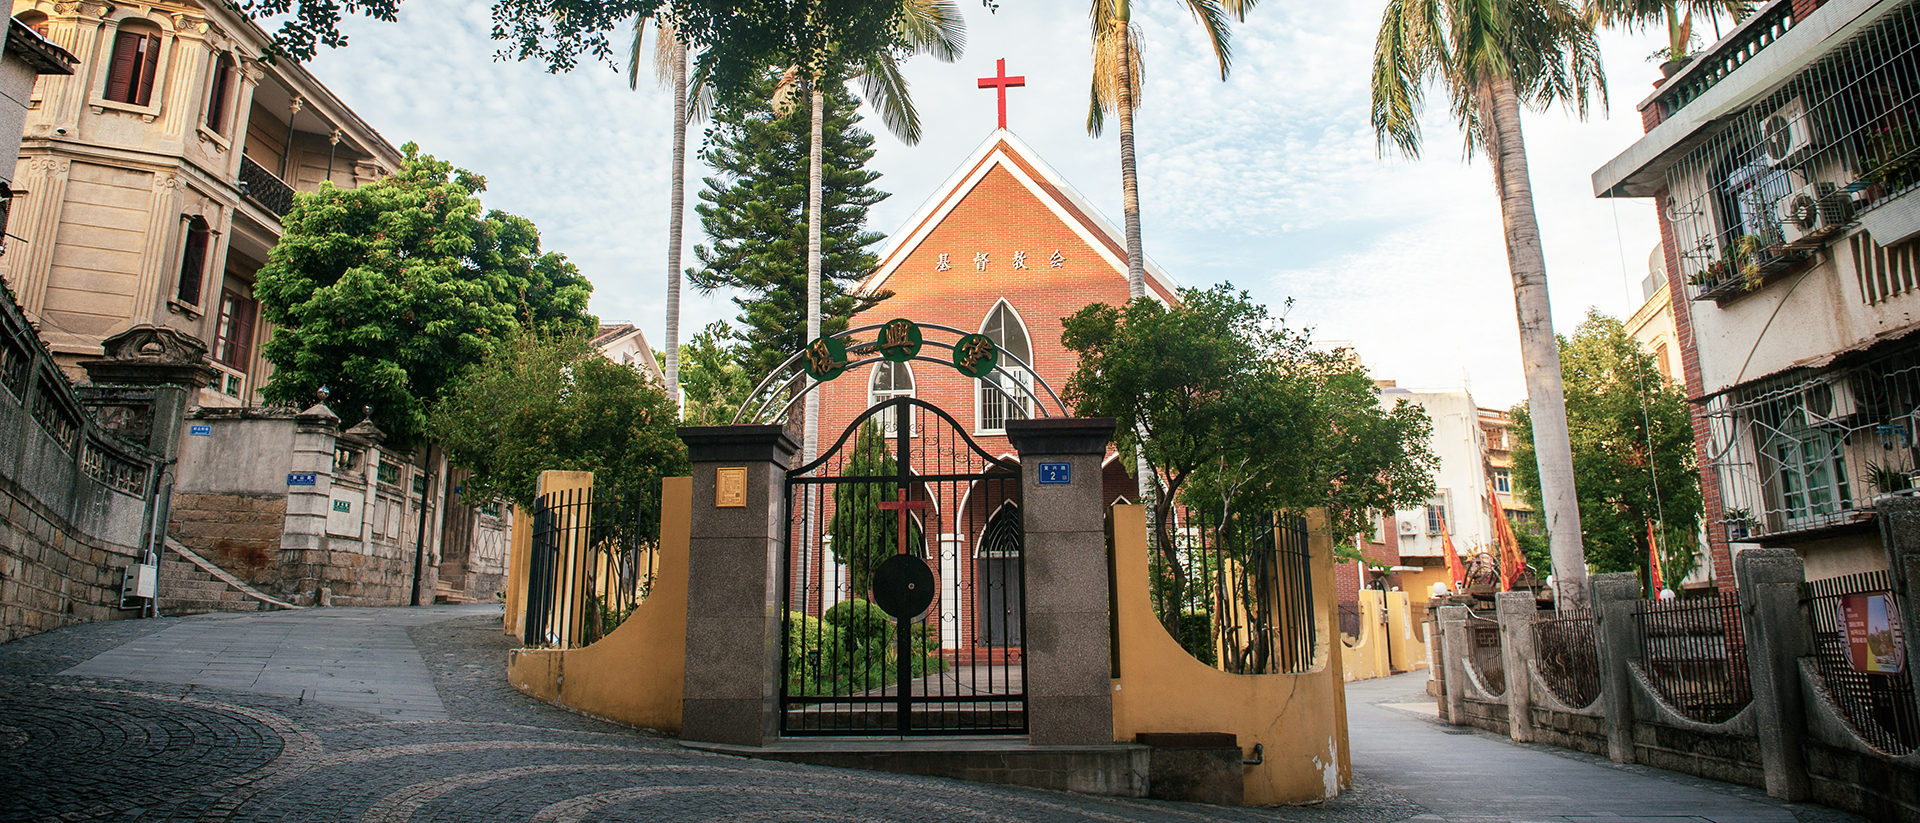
1269 180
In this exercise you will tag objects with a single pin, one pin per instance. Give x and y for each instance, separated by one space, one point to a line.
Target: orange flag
1512 562
1454 568
1653 561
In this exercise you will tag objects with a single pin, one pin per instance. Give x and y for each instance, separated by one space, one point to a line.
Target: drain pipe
1259 756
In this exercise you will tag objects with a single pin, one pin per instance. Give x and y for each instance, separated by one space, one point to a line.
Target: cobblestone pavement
81 739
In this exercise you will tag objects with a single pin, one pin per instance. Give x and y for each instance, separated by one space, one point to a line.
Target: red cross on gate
902 505
1000 82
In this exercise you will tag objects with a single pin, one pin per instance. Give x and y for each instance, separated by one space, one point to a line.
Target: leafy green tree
1633 456
754 209
1236 414
1490 57
863 534
713 383
388 293
554 402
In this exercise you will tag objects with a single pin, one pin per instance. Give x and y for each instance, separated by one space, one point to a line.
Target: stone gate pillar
737 528
1900 534
1614 596
1517 611
1777 636
1069 665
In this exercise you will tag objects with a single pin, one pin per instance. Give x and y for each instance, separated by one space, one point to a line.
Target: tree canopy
544 402
713 383
1235 411
387 293
754 212
1633 457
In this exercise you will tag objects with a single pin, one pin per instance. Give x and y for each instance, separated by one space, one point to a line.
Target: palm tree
1489 56
1116 88
922 27
670 68
1634 15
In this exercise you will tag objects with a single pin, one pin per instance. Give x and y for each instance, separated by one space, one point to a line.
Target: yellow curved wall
636 674
1366 657
1300 719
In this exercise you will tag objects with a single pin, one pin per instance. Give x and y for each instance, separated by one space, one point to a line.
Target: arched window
193 261
890 380
217 94
134 64
1004 397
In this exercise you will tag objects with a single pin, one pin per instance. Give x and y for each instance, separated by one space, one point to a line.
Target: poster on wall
1871 630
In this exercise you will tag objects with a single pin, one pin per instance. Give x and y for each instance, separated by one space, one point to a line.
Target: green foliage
860 619
852 651
553 402
713 384
755 212
1236 412
1633 457
864 535
388 293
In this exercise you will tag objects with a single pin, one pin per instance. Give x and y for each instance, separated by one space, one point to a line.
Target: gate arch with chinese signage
872 521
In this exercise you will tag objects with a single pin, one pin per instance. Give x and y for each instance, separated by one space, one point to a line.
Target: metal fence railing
593 559
1566 651
1486 654
1694 652
1871 685
1237 591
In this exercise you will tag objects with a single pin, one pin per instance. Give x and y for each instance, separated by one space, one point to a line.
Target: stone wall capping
737 443
1061 435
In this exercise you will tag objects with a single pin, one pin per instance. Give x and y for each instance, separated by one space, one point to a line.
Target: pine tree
754 213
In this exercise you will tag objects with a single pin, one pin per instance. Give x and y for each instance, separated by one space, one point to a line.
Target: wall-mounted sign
343 506
1052 474
975 355
825 358
300 478
900 340
1871 628
730 487
200 430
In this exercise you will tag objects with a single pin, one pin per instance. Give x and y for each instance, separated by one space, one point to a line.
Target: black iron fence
1870 684
592 561
265 188
1237 591
1566 650
1694 653
1484 651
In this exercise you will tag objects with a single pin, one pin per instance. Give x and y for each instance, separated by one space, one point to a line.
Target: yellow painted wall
636 674
1420 584
1300 719
1407 646
1366 657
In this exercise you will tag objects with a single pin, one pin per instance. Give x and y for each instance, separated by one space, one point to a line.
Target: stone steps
188 589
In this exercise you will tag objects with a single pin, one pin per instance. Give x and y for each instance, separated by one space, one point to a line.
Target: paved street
404 715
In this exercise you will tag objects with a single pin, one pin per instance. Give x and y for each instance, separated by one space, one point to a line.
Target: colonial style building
1783 161
157 174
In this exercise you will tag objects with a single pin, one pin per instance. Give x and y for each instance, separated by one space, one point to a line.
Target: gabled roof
1003 150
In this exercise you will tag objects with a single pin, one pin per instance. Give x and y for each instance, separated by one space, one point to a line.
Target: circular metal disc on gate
903 586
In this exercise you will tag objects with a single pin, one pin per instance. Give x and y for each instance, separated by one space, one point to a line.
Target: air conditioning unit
1829 401
1785 133
1814 213
1408 529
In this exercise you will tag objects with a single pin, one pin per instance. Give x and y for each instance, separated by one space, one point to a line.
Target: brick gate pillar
737 529
1069 664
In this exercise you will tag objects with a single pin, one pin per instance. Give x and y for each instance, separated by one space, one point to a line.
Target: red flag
1454 568
1512 562
1653 561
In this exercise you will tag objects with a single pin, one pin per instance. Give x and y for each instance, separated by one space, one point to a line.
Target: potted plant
1739 524
1891 161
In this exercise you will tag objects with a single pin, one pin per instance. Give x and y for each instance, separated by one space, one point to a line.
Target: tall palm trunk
675 222
1539 350
811 437
1129 179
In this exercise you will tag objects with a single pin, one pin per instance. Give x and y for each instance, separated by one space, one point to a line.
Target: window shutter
217 96
193 266
243 311
126 48
150 63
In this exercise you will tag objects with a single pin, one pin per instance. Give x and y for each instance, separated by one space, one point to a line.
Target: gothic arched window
890 380
1005 396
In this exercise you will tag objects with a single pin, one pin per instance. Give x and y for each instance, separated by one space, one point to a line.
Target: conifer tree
863 534
754 214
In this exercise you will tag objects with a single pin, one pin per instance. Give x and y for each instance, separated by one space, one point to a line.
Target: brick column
1069 666
1516 612
1614 596
1777 637
733 608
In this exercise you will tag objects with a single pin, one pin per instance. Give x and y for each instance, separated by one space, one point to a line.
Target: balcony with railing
264 188
1732 52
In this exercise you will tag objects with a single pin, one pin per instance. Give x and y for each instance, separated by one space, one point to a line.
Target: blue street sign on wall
1056 473
200 430
300 478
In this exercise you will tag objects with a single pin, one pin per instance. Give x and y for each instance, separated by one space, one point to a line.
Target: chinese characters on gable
981 259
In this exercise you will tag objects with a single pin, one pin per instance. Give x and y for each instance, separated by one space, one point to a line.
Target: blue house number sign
300 478
1056 473
200 430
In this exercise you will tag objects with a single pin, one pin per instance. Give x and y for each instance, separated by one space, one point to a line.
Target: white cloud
1269 180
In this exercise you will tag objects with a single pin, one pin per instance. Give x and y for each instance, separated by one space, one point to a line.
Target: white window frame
877 396
1024 377
104 59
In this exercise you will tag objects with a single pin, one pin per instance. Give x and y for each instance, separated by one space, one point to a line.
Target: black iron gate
904 479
